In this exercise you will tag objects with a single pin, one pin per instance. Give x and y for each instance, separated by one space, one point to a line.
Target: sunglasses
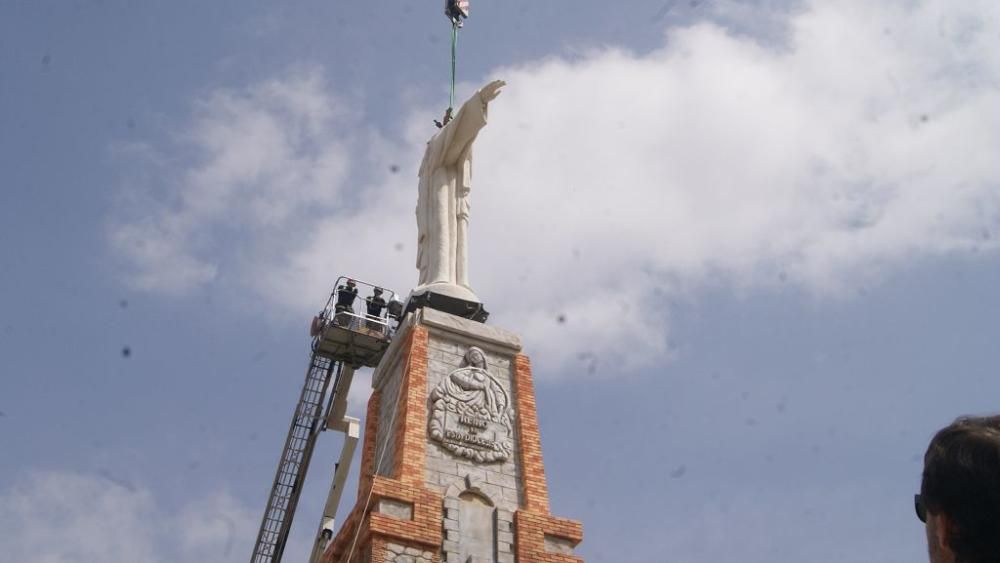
918 505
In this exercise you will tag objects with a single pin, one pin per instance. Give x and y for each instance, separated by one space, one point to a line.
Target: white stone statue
443 200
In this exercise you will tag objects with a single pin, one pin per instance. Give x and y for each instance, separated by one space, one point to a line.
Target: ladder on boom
343 340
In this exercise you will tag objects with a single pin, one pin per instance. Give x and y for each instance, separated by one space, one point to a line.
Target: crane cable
454 48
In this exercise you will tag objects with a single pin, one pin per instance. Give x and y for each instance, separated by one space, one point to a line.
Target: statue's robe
443 200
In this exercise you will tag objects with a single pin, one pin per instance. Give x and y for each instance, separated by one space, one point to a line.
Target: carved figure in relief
474 391
475 401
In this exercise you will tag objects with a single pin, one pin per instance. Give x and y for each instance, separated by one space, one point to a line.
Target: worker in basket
346 294
376 304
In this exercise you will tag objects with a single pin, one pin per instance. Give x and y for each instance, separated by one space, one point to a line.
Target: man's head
960 492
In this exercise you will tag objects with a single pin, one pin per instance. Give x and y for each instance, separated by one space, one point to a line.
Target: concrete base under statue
448 297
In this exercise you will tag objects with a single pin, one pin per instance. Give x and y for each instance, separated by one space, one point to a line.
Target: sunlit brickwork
414 512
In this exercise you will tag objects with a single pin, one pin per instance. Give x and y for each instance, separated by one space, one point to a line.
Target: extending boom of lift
343 341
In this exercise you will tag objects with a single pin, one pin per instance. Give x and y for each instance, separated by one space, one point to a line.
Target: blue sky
770 229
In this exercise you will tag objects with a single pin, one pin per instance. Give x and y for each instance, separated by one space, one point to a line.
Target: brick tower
451 468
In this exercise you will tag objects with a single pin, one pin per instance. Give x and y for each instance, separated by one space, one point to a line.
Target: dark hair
962 480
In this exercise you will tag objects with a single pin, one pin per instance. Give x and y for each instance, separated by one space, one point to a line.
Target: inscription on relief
470 412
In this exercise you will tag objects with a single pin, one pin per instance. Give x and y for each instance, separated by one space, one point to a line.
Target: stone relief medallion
471 413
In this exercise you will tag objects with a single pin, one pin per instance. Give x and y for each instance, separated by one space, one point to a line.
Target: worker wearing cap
346 294
376 303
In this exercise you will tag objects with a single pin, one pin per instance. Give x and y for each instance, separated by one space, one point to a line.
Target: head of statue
476 357
959 496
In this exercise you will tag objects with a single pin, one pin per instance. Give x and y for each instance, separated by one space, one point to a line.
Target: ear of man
943 530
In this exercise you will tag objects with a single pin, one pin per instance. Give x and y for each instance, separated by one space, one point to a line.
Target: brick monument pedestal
451 469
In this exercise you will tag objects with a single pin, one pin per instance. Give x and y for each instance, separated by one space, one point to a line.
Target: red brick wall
368 447
406 485
532 522
536 492
411 452
529 538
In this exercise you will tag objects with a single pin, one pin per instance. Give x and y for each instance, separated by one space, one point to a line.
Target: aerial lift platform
344 338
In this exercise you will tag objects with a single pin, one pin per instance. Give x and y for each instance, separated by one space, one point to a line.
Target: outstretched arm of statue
461 131
490 92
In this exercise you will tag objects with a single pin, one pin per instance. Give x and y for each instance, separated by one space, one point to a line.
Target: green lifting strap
454 45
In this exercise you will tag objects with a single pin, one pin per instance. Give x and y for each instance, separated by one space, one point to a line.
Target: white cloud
864 141
259 163
63 517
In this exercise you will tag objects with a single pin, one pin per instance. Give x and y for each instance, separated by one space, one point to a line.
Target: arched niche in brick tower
471 516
